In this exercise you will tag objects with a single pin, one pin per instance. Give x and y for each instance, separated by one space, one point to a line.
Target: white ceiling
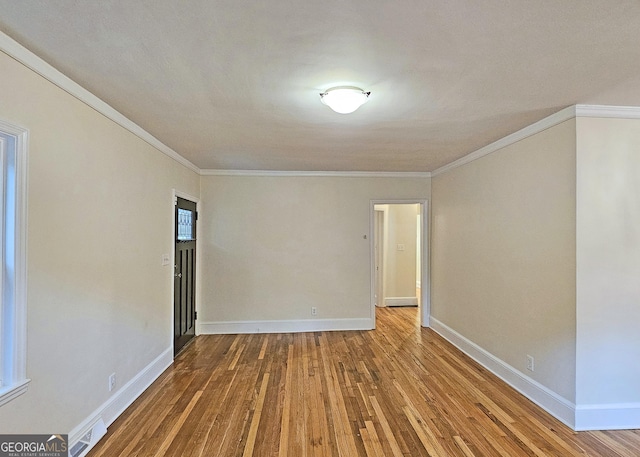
235 84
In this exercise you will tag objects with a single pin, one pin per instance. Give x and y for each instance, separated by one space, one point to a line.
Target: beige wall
503 254
608 261
400 266
100 217
276 246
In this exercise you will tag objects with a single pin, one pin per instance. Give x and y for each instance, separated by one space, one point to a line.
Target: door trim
379 216
174 198
425 271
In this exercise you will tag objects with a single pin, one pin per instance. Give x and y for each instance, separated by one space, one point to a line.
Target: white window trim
14 324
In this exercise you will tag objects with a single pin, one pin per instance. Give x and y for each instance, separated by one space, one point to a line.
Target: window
13 160
185 225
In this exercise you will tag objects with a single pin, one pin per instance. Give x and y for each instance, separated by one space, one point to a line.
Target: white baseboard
401 301
285 326
127 394
559 407
614 416
625 416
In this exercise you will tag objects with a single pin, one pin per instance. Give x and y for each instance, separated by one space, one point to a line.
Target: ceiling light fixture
344 99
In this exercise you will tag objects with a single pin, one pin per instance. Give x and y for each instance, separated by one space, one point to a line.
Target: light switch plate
166 260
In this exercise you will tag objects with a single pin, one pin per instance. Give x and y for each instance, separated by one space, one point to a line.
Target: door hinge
196 215
195 315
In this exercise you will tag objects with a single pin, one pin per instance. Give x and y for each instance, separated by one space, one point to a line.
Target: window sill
10 392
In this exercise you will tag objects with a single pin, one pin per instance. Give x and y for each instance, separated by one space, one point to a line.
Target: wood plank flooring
397 391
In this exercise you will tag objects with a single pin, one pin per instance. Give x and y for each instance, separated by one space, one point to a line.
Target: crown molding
608 111
321 174
537 127
18 52
21 54
602 111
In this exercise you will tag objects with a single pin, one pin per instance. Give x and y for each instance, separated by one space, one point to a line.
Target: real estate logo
34 445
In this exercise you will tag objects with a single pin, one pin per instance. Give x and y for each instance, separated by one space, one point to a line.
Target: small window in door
185 225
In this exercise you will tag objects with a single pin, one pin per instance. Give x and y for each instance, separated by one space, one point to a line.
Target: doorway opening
399 256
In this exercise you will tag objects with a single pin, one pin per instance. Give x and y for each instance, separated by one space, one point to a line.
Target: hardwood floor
396 391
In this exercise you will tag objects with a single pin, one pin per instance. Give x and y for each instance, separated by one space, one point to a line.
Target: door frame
379 216
425 271
174 200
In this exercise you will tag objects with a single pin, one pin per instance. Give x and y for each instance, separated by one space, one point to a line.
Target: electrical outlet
531 363
112 382
314 311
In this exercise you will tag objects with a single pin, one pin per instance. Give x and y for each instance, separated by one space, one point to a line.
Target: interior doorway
399 274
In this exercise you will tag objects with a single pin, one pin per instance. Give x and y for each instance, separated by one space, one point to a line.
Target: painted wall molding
536 127
124 397
570 112
35 63
12 48
559 407
283 326
618 112
401 301
316 174
619 416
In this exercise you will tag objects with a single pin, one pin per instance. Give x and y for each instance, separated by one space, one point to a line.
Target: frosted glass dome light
344 100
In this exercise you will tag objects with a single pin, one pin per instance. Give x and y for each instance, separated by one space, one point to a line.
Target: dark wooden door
184 274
